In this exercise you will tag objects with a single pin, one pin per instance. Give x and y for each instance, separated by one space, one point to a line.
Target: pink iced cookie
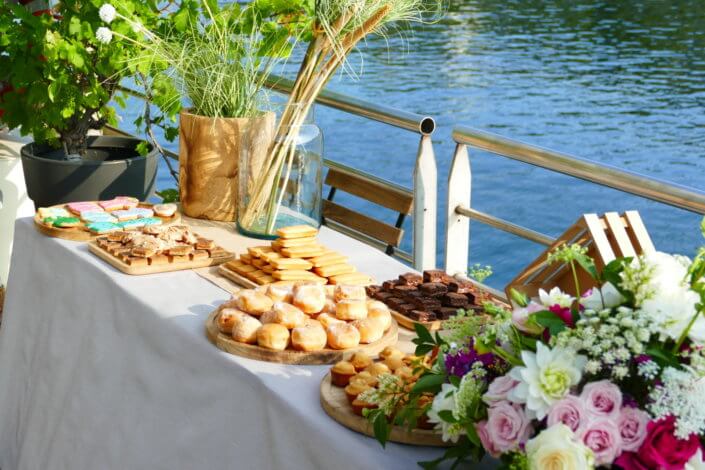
112 205
83 207
128 202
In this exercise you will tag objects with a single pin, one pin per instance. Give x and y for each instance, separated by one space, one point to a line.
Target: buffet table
103 370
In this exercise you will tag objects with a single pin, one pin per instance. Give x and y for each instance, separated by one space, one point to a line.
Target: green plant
479 273
65 67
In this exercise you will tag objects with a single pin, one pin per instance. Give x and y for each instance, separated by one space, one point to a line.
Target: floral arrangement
612 379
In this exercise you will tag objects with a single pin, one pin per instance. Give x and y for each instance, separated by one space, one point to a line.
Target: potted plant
218 58
64 72
275 195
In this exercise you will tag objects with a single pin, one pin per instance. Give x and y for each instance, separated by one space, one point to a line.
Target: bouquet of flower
613 379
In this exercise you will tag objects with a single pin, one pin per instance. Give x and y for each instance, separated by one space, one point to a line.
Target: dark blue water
619 82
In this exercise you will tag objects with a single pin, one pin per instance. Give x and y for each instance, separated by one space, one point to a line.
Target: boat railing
424 186
460 211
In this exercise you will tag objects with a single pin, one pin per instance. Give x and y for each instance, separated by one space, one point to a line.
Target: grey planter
111 168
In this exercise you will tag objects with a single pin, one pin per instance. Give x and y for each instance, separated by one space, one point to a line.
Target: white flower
681 394
546 377
556 448
695 462
599 298
445 400
107 13
104 35
555 297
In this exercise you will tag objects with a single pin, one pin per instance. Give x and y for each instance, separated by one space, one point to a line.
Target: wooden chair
383 235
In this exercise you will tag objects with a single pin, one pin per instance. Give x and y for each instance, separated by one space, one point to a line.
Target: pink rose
485 440
602 436
499 389
632 424
520 318
661 448
569 411
602 398
507 426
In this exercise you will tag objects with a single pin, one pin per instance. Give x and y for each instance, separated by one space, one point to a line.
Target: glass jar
286 189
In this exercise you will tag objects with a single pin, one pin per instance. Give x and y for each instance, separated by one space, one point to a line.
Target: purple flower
460 362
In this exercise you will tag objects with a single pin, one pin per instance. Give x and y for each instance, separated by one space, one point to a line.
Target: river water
618 82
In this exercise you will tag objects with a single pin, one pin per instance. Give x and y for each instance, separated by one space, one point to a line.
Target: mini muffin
370 330
366 378
341 373
343 292
354 389
342 336
310 298
394 362
377 369
404 372
423 422
245 329
273 336
351 310
227 318
390 351
359 405
360 361
253 302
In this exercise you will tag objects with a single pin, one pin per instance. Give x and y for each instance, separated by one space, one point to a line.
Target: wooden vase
209 152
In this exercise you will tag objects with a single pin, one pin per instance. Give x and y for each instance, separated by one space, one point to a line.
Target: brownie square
427 303
422 315
406 309
383 296
461 287
403 290
411 295
395 302
433 275
410 279
453 299
372 290
444 313
433 288
388 285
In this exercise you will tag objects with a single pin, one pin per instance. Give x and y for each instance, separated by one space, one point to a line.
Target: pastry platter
80 233
336 405
289 356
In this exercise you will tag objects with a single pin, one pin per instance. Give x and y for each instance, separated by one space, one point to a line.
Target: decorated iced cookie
128 202
81 207
62 222
165 210
128 214
45 212
132 224
112 205
103 227
143 212
151 221
98 217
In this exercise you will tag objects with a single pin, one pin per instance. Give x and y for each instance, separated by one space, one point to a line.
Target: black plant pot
112 167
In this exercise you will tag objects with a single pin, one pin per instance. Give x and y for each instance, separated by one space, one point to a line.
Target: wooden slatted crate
607 237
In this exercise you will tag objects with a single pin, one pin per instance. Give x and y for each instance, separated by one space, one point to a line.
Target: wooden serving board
408 323
236 278
162 268
337 406
80 233
290 356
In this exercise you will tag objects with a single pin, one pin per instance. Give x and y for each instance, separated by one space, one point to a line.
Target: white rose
555 449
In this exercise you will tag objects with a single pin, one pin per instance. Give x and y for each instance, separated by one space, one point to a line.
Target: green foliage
169 195
62 77
480 273
549 320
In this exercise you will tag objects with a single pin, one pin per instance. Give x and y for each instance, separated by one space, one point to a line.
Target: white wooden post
425 204
458 226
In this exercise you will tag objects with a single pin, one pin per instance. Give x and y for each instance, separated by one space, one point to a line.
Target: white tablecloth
100 370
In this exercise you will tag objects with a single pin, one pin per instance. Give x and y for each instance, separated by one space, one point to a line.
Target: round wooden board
80 233
408 323
337 406
290 356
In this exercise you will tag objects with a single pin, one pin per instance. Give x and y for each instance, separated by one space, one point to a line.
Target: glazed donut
253 302
351 310
345 292
273 336
342 336
310 298
370 330
309 338
227 319
288 315
245 329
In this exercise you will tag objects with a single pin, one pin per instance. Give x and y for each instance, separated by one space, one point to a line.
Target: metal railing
460 184
425 176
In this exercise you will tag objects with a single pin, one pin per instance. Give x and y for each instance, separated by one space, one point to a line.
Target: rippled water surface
618 82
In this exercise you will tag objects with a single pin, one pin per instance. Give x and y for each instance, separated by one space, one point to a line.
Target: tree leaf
549 320
423 333
428 382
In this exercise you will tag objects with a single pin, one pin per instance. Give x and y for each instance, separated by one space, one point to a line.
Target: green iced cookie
62 222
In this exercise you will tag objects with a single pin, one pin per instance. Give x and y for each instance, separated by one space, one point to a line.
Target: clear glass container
292 193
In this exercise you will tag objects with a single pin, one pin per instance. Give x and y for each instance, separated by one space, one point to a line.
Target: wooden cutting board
80 233
236 278
116 262
290 356
337 406
408 323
